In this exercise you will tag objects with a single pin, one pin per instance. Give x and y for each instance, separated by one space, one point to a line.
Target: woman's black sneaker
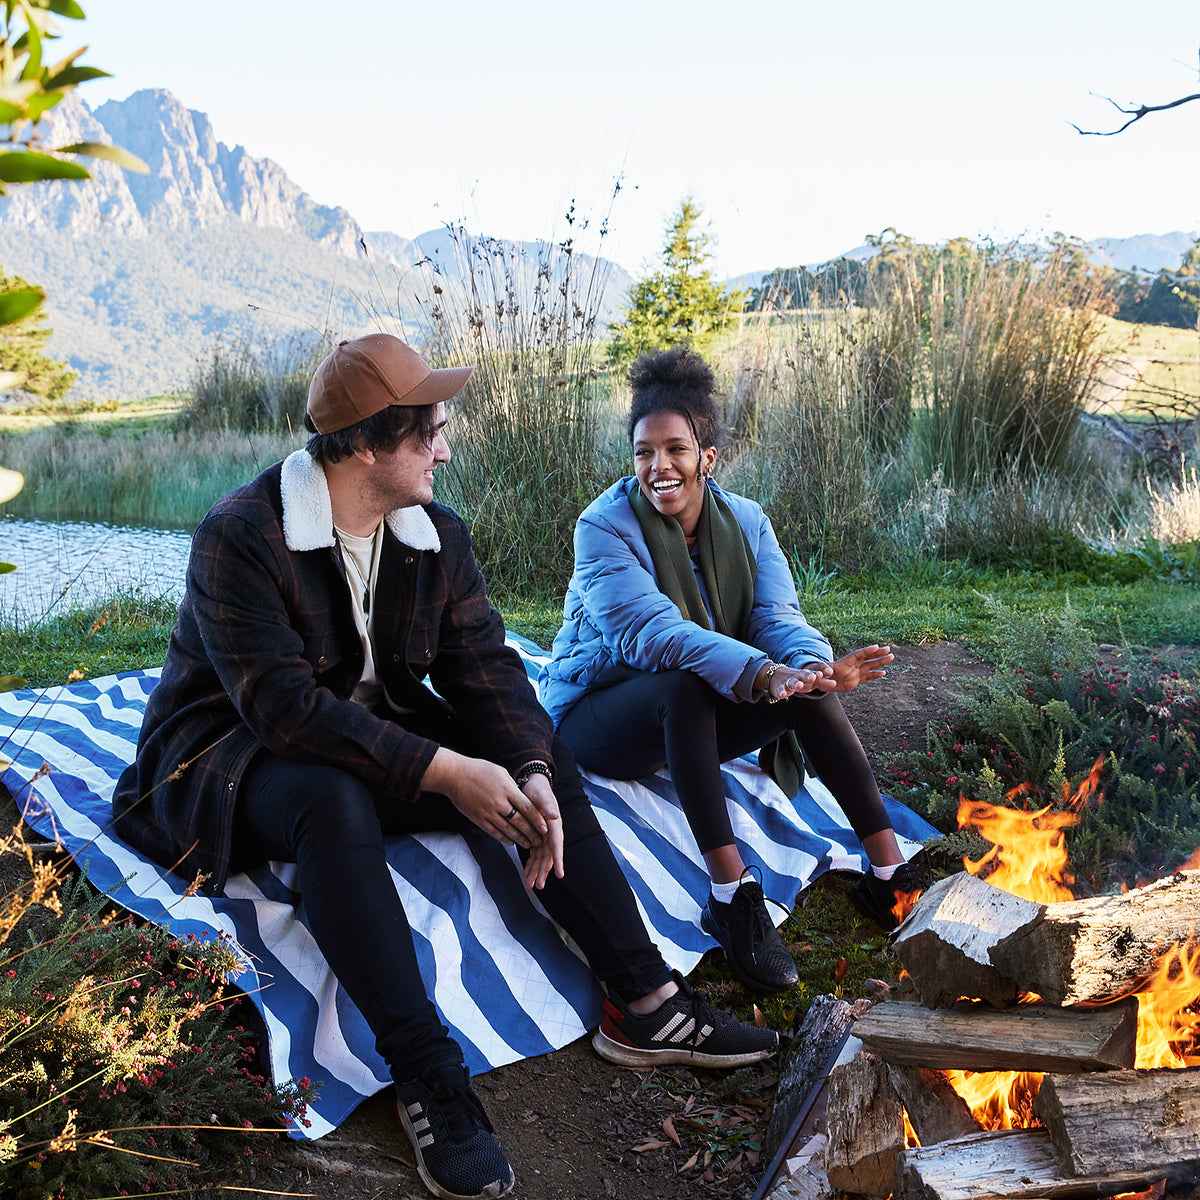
877 898
757 956
457 1157
683 1029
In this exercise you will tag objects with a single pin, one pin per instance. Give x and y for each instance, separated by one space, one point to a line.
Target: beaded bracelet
771 669
530 769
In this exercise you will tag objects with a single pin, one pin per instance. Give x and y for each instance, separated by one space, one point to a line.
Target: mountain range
143 272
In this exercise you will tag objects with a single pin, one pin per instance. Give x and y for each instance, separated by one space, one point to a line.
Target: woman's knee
684 693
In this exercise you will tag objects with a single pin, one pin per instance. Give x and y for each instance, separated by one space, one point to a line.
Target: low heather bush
1031 734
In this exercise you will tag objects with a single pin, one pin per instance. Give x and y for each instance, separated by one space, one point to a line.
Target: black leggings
675 719
332 827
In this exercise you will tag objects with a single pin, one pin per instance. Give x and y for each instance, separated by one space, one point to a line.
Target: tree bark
935 1110
1098 948
809 1059
865 1127
1013 1164
1029 1037
944 945
1124 1120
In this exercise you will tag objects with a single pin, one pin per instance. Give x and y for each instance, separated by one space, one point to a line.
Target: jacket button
408 558
321 661
231 787
428 653
395 658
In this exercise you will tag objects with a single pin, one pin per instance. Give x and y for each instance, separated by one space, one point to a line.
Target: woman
683 645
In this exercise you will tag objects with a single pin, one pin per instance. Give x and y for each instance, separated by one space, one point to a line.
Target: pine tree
21 346
682 302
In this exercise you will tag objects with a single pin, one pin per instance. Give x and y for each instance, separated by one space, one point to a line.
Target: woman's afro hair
679 381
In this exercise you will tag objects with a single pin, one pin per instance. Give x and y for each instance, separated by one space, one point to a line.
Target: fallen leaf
691 1162
649 1146
734 1165
687 1108
709 1176
759 1019
669 1129
840 970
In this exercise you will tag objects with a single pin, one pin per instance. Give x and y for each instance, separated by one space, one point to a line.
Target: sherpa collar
308 514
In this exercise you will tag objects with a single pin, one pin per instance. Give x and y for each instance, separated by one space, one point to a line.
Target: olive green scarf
728 569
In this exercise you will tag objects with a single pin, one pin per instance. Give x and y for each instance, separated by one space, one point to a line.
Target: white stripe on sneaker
685 1032
668 1028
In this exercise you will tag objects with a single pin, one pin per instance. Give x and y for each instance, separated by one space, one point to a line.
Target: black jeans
674 719
332 827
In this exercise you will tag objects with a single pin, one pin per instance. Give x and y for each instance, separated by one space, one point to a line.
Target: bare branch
1137 115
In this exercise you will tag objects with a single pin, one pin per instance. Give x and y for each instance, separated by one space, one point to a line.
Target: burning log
865 1127
1092 949
935 1110
1012 1164
1026 1038
1144 1121
945 942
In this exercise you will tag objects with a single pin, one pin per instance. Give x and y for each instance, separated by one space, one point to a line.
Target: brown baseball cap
362 377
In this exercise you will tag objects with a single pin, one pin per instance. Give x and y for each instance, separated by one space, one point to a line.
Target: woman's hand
854 668
548 853
784 682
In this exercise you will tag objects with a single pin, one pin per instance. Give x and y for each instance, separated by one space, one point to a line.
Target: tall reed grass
528 434
162 478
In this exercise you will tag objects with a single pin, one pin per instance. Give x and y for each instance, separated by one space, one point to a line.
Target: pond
68 564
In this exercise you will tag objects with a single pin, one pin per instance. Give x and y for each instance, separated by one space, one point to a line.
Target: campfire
1052 1048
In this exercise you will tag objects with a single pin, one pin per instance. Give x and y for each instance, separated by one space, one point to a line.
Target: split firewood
808 1061
803 1176
935 1110
1124 1120
1029 1037
1092 949
1012 1164
945 942
865 1127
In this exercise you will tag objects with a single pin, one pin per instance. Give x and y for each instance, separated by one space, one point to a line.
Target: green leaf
17 304
5 568
33 47
68 77
25 166
112 153
67 8
10 683
9 112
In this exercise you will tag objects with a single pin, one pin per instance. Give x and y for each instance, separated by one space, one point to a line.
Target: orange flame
905 903
1168 1030
998 1099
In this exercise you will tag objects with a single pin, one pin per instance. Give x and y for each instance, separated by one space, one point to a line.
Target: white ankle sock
723 893
885 872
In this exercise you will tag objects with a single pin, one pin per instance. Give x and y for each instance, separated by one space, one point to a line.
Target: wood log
1093 949
945 942
935 1110
865 1127
1029 1037
803 1176
1124 1120
808 1062
1012 1164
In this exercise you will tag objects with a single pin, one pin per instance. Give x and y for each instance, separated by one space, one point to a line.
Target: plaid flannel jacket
265 655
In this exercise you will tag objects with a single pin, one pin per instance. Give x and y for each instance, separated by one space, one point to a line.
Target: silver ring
512 812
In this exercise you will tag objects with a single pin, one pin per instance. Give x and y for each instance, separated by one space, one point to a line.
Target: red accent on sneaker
611 1022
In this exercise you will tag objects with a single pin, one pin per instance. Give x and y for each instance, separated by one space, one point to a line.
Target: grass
124 418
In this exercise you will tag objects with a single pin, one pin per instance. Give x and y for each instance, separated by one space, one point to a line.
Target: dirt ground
572 1124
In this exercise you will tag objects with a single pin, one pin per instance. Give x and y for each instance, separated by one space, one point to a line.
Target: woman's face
668 469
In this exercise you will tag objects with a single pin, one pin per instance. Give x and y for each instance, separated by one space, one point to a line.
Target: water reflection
67 564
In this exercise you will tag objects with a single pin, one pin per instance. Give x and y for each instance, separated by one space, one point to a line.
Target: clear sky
799 125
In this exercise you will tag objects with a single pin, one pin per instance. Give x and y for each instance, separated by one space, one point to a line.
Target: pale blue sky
799 127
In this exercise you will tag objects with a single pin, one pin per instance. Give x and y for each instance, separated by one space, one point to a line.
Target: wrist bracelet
771 669
530 769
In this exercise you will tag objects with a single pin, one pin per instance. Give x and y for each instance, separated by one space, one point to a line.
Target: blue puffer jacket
615 617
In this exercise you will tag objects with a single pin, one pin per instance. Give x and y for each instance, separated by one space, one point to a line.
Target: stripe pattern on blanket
503 978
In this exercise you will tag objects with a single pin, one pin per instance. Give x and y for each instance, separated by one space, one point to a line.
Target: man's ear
364 453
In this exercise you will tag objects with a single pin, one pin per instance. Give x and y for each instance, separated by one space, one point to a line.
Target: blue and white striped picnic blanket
504 981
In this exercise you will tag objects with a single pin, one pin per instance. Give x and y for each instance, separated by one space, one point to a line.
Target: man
292 722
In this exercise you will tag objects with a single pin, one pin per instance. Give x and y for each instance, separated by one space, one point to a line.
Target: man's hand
854 668
549 853
487 794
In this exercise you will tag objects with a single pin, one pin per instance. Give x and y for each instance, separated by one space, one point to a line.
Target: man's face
404 476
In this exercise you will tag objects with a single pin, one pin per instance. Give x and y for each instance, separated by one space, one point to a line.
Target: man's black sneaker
683 1029
877 898
757 956
457 1157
